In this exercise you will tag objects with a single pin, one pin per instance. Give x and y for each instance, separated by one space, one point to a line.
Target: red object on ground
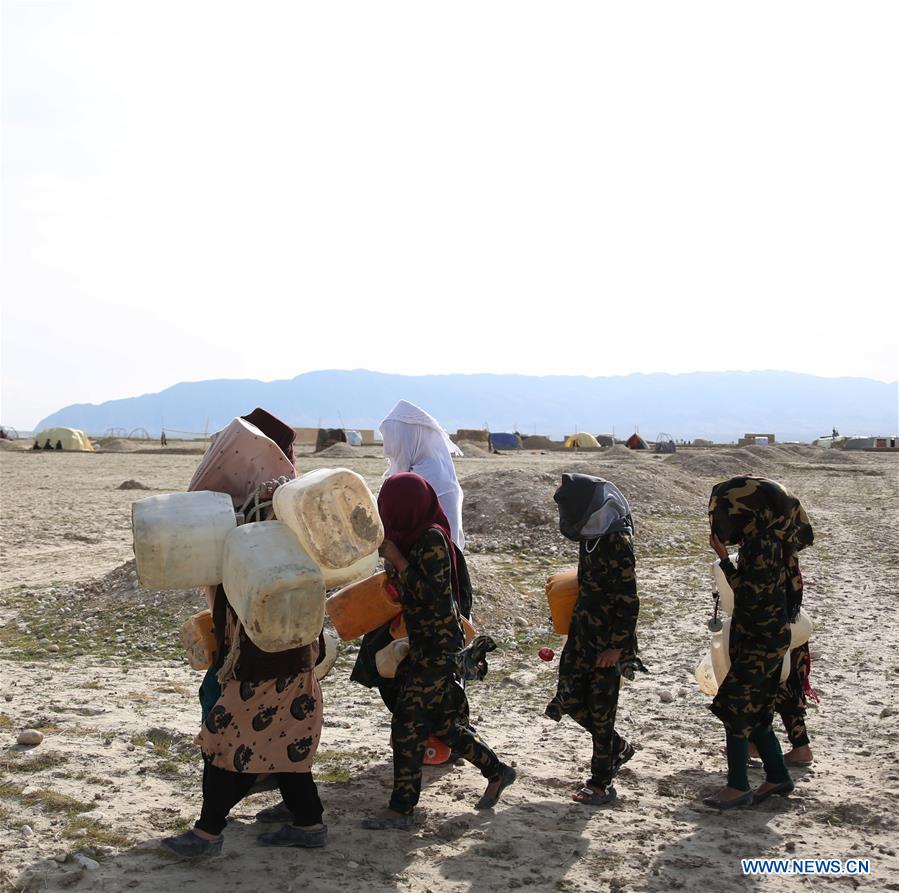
546 654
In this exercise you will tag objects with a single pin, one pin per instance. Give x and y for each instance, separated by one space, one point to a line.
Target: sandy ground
93 661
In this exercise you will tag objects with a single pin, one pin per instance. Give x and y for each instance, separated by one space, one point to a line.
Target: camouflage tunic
605 616
759 638
430 700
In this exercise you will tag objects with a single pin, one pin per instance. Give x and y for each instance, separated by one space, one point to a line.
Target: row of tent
582 440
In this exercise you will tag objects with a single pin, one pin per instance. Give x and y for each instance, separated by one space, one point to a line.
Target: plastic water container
179 538
333 514
275 588
198 640
358 609
363 568
331 650
388 658
712 669
800 631
398 628
725 593
561 593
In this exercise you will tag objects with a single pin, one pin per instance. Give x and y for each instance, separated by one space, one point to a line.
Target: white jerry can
712 669
333 514
179 538
725 593
275 588
363 568
331 650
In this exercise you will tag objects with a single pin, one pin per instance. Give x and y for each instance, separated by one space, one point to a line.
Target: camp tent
636 442
354 438
72 439
505 441
665 443
328 437
605 440
581 440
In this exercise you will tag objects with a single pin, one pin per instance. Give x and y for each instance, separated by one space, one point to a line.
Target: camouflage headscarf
746 508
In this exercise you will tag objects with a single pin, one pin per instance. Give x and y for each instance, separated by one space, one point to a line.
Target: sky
201 190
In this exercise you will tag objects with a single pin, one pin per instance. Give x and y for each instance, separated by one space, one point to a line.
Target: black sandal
506 777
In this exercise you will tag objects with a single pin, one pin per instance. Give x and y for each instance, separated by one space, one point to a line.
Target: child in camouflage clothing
602 642
430 701
770 527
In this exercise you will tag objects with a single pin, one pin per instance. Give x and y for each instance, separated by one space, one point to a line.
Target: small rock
352 865
27 830
30 736
132 485
887 711
85 862
7 696
131 746
666 697
60 857
521 622
53 648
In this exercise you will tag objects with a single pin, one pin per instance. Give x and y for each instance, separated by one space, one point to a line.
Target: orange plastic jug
361 607
398 629
561 593
198 640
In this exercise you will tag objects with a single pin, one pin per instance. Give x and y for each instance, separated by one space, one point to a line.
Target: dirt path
117 769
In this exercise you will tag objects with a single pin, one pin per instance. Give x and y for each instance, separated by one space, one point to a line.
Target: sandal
716 803
622 757
278 814
400 821
591 797
191 846
290 835
781 790
506 777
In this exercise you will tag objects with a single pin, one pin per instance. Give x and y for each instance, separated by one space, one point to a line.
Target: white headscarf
414 441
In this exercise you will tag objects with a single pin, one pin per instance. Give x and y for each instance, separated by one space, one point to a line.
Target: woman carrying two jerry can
770 526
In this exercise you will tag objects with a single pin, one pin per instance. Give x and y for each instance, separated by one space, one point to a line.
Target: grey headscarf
590 507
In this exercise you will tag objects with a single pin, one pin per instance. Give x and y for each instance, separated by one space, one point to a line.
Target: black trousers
223 790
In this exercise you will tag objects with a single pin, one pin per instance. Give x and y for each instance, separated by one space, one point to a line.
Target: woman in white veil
415 441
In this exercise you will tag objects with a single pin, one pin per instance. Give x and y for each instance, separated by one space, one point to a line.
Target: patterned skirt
271 726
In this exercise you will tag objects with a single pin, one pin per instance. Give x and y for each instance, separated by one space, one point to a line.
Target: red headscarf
409 507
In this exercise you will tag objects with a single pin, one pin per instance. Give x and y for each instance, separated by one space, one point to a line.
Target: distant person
770 526
162 440
417 544
602 639
48 445
36 445
59 444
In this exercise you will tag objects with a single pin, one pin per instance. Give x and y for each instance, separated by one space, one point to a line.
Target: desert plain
93 662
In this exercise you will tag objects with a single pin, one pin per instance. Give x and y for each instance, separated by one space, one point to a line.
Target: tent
605 440
72 439
328 437
581 440
354 438
505 441
665 443
636 442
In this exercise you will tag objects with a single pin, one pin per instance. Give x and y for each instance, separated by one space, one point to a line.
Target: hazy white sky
206 190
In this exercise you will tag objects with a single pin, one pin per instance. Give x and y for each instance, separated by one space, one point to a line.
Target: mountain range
719 406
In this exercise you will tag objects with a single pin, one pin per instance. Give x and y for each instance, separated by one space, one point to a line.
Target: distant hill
720 406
